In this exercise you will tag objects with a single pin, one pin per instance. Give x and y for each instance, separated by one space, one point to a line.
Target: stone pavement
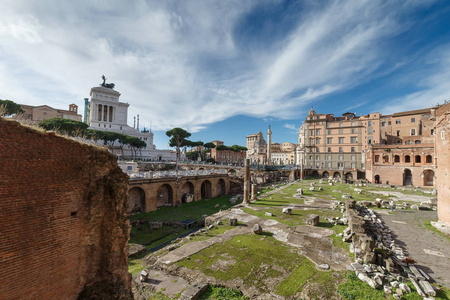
430 250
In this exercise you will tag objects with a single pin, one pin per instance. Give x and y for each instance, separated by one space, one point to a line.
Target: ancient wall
442 148
64 221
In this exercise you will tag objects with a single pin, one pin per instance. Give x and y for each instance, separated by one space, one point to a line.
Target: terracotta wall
442 148
63 218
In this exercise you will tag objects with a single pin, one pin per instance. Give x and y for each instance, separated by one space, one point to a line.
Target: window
353 157
311 141
370 140
353 123
341 131
353 149
396 158
417 142
311 132
310 149
429 159
398 132
329 132
329 165
353 165
353 130
341 157
389 122
370 123
340 124
413 131
317 157
340 165
328 157
377 158
129 168
317 149
310 157
408 142
407 159
317 118
432 131
341 140
340 149
398 122
383 124
386 158
442 134
418 159
369 131
329 150
317 141
413 120
353 139
317 131
329 140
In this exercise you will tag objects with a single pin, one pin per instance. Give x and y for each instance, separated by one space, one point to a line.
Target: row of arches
337 175
428 178
406 159
165 195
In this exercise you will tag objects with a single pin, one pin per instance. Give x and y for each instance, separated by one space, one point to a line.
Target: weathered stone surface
312 220
136 250
257 229
232 222
194 291
287 210
268 214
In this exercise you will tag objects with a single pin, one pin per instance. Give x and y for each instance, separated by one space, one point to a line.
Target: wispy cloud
186 64
292 127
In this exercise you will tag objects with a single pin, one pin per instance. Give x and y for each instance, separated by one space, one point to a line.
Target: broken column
254 192
246 181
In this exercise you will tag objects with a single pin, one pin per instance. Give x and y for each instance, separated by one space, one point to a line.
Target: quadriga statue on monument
107 85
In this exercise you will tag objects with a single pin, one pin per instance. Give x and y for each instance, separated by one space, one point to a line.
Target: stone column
246 181
254 192
269 145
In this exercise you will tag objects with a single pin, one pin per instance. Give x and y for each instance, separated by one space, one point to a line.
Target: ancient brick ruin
64 221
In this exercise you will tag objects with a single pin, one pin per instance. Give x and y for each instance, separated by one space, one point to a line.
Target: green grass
221 293
215 231
257 257
355 289
434 229
193 211
135 266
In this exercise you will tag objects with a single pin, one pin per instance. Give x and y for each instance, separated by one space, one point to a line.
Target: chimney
137 123
134 124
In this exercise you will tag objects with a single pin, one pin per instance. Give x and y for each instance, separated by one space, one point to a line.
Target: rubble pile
379 261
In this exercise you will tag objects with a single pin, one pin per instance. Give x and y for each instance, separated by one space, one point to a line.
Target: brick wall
442 148
63 218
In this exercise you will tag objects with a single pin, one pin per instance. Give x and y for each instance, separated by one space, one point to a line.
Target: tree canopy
178 137
209 145
235 148
8 107
67 126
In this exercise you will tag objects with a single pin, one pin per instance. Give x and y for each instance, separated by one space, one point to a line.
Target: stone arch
231 172
187 192
164 196
337 175
221 187
417 142
348 176
136 200
206 189
201 169
429 159
315 174
325 174
377 179
407 177
428 178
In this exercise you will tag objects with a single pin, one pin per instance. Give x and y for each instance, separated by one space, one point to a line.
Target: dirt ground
429 249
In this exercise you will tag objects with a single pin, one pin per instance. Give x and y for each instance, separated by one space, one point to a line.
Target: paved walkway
430 250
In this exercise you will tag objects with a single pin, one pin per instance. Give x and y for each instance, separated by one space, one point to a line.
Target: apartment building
35 114
256 148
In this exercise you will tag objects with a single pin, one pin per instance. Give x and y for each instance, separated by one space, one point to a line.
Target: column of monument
246 181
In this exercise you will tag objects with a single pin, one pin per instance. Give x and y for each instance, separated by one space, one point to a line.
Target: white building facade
106 113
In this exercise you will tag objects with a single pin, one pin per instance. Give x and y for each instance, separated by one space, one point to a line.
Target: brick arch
325 174
221 188
136 200
206 189
231 172
187 192
428 177
164 195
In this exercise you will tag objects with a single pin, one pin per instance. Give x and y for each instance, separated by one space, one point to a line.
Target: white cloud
177 63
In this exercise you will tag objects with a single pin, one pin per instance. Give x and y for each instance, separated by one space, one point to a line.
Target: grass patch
135 266
221 293
297 279
337 240
193 211
434 229
256 259
355 289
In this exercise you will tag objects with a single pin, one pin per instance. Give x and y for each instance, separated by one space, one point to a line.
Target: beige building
256 148
35 114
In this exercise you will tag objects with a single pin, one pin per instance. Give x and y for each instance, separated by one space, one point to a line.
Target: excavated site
301 240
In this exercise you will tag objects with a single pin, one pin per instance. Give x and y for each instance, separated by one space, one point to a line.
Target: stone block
257 229
287 210
232 222
313 220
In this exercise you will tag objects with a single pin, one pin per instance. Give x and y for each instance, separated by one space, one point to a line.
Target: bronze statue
107 85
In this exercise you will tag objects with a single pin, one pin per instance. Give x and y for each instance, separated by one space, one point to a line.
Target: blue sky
226 69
